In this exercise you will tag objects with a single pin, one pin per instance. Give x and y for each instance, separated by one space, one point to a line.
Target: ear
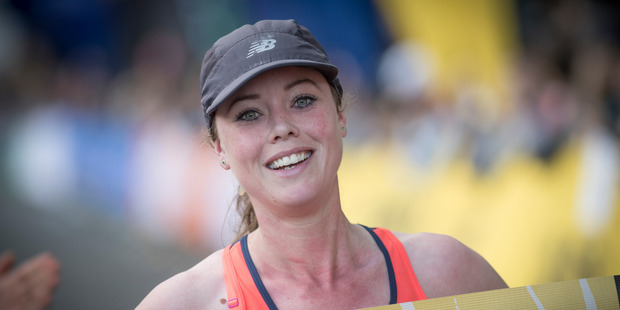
342 123
221 154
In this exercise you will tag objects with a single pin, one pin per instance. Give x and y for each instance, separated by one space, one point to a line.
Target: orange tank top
246 291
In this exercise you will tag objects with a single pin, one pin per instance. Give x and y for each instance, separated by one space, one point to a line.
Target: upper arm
201 287
444 266
168 294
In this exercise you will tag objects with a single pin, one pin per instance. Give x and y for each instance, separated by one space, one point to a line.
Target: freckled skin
281 127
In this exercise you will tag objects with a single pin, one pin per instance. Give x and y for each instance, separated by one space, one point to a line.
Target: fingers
31 284
41 275
7 259
43 267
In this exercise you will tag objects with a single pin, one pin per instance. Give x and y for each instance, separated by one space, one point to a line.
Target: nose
283 127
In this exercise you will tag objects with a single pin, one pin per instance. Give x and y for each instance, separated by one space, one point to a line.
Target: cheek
240 148
322 123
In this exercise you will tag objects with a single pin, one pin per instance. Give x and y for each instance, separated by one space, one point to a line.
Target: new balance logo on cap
261 46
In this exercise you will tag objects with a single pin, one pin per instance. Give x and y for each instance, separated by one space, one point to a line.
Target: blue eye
303 101
248 115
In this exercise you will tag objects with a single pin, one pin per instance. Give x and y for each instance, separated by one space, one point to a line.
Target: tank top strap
246 291
239 274
407 286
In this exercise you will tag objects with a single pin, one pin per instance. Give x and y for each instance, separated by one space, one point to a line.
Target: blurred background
496 122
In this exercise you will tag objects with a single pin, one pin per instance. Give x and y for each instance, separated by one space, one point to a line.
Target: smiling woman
291 109
272 103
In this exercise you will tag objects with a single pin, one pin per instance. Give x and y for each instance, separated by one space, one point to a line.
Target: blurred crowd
101 109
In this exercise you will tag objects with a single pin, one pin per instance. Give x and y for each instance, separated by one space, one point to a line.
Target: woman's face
281 135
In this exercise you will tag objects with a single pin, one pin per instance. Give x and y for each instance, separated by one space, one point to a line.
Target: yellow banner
587 294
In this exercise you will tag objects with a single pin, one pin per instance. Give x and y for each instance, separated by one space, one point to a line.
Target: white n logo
261 46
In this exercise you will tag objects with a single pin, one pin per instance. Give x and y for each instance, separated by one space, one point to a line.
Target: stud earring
223 162
344 128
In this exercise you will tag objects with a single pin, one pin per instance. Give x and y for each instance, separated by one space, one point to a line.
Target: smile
288 162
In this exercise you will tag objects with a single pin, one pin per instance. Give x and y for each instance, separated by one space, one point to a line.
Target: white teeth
286 161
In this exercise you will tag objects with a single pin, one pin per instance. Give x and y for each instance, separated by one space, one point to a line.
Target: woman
272 101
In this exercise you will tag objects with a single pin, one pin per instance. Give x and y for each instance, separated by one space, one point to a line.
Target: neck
315 246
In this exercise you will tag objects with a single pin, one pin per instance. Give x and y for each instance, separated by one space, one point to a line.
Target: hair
243 203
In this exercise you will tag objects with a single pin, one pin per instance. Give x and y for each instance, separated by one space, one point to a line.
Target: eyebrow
256 96
241 98
300 81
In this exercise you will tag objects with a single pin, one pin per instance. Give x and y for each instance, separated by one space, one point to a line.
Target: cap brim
329 71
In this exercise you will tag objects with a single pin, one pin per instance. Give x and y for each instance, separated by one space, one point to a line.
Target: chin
308 195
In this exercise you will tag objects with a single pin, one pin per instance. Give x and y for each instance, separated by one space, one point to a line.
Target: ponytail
246 210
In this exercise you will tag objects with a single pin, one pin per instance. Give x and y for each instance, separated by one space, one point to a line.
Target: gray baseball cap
250 50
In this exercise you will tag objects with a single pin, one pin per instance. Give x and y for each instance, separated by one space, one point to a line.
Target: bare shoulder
201 287
445 266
